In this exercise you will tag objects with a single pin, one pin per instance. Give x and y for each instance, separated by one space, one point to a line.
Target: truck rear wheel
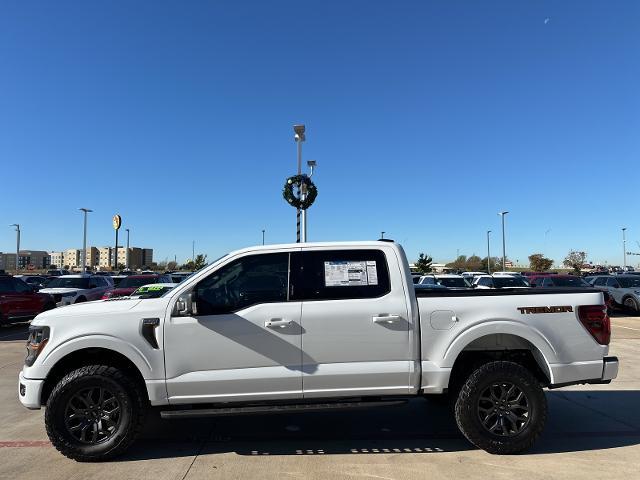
94 413
501 408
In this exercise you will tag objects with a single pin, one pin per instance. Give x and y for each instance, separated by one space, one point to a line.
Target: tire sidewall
467 403
57 404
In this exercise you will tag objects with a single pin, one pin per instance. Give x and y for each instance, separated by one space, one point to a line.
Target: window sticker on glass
350 274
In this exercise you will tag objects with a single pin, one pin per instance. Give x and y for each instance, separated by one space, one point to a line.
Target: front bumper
29 391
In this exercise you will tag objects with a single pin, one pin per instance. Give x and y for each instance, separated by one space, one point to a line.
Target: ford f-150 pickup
302 327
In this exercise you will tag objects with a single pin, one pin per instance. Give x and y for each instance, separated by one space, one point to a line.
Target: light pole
382 234
193 252
624 248
299 138
311 164
263 236
126 257
504 248
84 240
488 253
17 225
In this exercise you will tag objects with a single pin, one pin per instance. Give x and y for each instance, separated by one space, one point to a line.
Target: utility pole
263 236
193 252
382 234
488 252
624 248
17 225
126 258
84 240
299 138
504 248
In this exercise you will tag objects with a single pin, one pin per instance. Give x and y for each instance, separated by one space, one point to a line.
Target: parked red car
129 284
19 301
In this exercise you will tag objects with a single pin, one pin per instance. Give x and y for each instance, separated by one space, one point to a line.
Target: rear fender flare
545 351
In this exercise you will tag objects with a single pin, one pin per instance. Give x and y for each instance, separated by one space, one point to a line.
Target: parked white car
310 326
69 289
500 281
624 289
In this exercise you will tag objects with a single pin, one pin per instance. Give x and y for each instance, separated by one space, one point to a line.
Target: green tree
539 263
458 263
575 260
474 263
423 265
200 262
494 262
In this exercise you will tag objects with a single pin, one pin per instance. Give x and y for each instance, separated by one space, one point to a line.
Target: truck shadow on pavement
578 421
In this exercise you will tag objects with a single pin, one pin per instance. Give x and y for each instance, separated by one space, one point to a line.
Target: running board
262 409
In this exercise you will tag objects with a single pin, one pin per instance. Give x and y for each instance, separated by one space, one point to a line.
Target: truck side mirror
186 305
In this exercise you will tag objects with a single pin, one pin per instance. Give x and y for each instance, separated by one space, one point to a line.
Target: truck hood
98 307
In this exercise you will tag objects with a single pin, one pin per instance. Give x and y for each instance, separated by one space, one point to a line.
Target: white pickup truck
311 326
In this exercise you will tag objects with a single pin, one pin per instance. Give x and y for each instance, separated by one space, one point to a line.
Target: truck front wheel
501 408
94 413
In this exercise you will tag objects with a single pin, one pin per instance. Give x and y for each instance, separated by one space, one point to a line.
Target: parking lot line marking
25 444
628 328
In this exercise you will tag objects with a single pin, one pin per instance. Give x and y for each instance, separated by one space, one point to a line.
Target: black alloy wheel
503 409
93 415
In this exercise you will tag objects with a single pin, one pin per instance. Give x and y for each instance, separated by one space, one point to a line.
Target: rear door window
339 274
6 285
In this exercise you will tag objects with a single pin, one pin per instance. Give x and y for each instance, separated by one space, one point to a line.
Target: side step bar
262 409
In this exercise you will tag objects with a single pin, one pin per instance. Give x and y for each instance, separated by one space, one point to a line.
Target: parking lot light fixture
17 225
488 252
624 248
504 243
84 240
126 261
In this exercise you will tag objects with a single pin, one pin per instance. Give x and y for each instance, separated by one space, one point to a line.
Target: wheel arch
90 356
515 342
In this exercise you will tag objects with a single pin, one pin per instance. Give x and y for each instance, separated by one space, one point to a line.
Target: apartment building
33 259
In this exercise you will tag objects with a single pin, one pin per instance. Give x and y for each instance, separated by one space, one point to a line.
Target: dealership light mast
17 225
504 248
84 239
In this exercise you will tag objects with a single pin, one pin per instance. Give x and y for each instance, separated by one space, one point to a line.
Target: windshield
131 282
628 282
569 282
506 282
453 282
68 282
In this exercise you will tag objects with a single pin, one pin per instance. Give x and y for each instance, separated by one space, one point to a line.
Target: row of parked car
621 290
22 297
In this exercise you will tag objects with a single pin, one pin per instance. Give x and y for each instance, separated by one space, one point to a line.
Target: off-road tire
131 400
630 305
467 411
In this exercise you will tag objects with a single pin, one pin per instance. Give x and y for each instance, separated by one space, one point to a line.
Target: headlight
38 338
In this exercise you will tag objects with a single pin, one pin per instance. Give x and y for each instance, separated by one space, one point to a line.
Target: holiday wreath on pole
308 190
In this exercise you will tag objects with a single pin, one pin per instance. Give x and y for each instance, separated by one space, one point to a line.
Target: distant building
33 259
57 259
72 257
7 261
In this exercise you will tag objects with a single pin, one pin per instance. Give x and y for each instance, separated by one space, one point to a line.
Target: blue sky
425 118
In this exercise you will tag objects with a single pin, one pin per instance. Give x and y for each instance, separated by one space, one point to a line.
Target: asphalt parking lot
593 432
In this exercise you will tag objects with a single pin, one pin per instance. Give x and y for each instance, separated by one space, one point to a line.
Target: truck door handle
386 319
277 323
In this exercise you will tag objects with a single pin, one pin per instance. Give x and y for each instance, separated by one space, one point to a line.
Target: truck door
357 334
242 341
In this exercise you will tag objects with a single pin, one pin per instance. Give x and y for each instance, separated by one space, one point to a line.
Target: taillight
596 321
106 295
